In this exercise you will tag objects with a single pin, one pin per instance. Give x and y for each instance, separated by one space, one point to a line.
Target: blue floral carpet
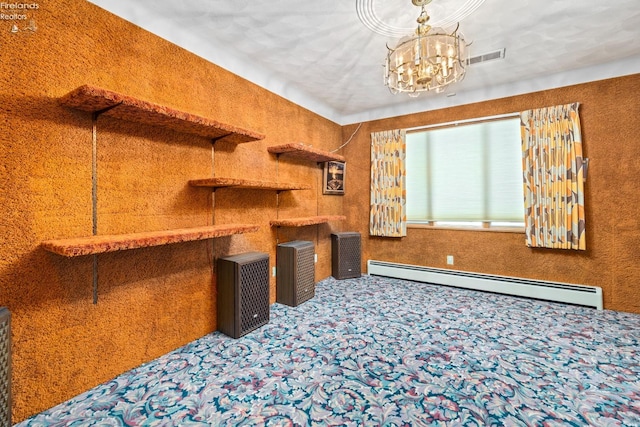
383 352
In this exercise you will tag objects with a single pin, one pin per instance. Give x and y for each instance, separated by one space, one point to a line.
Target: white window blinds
470 172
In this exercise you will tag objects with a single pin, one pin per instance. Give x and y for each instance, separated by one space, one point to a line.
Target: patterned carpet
383 352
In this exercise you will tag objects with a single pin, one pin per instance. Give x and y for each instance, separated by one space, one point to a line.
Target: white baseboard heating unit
551 291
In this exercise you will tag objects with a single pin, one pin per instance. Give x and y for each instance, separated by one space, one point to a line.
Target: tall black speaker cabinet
243 293
345 255
295 272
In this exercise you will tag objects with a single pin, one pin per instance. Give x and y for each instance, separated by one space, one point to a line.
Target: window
466 175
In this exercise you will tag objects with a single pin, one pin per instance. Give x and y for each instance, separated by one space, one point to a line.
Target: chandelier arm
455 31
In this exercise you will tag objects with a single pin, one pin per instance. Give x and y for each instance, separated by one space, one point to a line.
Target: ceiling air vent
498 54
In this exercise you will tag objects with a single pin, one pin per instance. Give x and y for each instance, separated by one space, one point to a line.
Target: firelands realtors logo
18 16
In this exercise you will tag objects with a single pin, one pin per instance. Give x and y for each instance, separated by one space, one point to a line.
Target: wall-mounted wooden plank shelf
97 100
246 183
118 242
303 221
305 152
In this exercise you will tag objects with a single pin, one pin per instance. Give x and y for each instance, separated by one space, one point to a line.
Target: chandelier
430 59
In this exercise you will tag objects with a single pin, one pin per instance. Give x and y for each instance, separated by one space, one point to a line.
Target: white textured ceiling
320 55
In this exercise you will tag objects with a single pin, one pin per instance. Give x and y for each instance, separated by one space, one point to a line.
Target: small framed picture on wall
333 177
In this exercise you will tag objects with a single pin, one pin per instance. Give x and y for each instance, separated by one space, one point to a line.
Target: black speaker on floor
243 293
295 271
345 255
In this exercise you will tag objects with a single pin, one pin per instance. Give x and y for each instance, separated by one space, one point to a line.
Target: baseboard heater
551 291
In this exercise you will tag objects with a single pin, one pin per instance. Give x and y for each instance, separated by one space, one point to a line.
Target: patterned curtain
553 177
387 215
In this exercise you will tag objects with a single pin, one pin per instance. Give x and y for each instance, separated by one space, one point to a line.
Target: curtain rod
459 122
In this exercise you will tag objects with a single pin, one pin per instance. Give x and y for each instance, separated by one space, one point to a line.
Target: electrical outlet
450 259
315 258
273 271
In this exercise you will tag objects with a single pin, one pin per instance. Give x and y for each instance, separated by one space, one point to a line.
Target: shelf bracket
94 195
218 138
95 279
94 188
104 110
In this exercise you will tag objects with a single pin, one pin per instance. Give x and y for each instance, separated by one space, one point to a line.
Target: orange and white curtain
553 176
387 214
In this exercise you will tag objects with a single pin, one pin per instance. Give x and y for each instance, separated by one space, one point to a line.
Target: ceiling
322 56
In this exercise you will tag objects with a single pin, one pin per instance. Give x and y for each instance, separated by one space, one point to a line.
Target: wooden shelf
303 221
246 183
97 100
118 242
305 152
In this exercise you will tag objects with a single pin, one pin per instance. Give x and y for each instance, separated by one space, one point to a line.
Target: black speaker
243 293
345 255
295 272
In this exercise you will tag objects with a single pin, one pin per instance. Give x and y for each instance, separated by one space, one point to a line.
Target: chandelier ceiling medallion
430 59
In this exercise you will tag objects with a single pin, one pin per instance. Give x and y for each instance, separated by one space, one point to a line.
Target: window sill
494 229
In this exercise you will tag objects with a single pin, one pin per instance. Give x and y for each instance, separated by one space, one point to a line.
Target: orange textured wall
609 114
152 300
